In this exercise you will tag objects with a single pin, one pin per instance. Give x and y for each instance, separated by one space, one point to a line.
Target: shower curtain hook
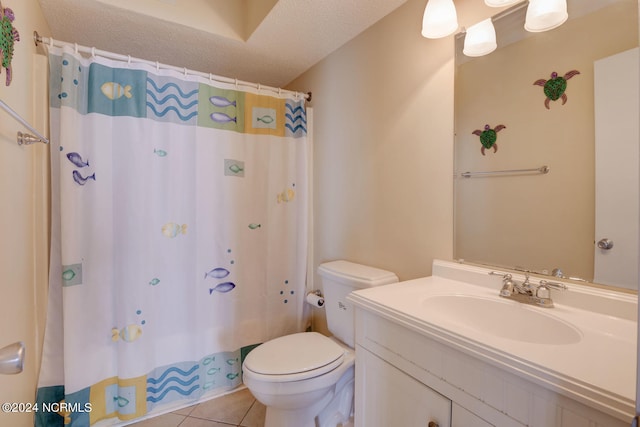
93 52
157 66
259 87
129 59
236 83
210 77
75 47
50 42
185 71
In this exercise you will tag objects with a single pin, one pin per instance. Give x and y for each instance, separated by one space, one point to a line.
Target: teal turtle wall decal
488 137
555 87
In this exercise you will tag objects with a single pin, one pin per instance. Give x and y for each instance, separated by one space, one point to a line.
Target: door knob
605 244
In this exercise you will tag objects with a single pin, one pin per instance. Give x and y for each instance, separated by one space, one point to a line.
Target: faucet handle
553 285
505 276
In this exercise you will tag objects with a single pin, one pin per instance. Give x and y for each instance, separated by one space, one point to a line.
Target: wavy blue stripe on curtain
179 240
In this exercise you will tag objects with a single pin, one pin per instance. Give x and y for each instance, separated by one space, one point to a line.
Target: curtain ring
210 77
259 87
75 47
279 90
93 52
185 71
157 66
236 83
129 59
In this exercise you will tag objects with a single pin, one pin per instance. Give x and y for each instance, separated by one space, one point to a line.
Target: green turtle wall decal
488 137
8 36
555 87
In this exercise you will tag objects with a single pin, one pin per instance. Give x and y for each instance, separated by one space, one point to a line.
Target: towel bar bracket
27 139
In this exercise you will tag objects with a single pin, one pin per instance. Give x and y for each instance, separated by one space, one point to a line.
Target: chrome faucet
527 292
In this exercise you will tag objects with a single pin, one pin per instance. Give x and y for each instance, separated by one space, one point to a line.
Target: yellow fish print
171 229
129 333
64 412
286 196
114 90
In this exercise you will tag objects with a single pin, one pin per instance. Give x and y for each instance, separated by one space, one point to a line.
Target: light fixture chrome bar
541 170
24 138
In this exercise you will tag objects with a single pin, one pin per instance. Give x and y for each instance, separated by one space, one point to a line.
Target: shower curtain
179 237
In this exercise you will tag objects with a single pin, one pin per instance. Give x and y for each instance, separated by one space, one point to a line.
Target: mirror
532 220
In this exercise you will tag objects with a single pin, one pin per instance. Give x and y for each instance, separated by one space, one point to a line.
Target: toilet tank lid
358 275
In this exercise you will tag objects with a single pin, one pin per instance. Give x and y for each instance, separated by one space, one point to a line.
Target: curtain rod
24 138
93 52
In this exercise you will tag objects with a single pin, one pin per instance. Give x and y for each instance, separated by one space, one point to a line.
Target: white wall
23 210
383 146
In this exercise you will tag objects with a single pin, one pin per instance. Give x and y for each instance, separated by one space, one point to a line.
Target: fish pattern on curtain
179 237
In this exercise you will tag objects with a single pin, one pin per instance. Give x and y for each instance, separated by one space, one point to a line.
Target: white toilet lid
295 354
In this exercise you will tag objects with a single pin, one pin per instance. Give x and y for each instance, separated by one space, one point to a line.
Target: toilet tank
339 278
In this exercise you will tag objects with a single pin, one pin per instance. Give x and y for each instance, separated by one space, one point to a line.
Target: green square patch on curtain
117 91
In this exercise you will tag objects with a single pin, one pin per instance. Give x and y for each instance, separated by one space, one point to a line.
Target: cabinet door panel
460 417
389 397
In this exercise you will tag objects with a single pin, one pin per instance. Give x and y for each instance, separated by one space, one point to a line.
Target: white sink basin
502 318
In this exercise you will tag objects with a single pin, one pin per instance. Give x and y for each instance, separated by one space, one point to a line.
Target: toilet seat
294 357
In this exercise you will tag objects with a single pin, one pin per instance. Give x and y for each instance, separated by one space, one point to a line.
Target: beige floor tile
199 422
255 416
229 409
166 420
184 411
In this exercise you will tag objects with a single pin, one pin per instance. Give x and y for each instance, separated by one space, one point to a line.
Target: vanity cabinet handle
433 424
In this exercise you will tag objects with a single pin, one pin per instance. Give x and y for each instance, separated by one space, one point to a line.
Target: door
616 96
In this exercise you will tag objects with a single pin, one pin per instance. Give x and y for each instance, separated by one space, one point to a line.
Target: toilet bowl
296 386
306 379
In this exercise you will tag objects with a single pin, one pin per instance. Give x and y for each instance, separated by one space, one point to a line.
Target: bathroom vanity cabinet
413 373
394 398
404 378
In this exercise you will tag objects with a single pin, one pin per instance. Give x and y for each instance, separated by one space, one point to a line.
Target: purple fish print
217 273
82 180
223 118
222 102
76 159
222 287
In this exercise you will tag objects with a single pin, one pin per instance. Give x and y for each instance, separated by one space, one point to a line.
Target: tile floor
238 409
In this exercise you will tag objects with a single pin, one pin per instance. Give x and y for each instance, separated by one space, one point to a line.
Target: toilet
307 379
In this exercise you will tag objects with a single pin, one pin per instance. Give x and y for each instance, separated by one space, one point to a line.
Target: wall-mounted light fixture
543 15
480 39
440 19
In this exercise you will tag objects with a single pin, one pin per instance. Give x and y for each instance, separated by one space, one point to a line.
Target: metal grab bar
541 170
24 138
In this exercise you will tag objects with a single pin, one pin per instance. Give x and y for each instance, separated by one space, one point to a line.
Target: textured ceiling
245 39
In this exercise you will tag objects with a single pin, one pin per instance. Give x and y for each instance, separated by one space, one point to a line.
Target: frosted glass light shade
440 19
500 3
480 39
543 15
